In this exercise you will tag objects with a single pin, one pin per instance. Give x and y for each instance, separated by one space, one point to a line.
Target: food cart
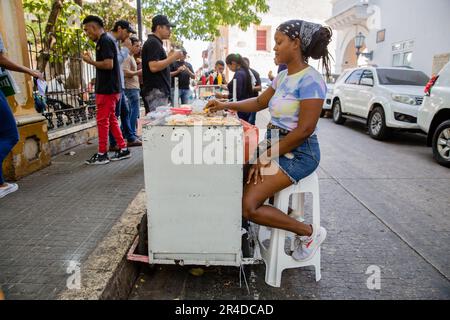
193 166
193 174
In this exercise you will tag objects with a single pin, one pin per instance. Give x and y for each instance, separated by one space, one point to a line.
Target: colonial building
257 41
410 33
32 152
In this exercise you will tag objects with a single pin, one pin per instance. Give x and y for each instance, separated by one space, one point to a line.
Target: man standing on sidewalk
182 70
156 64
121 34
9 134
132 89
107 90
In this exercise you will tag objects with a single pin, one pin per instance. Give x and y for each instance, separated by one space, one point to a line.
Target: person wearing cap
156 64
120 34
107 90
182 70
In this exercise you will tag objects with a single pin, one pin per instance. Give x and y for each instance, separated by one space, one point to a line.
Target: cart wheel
142 247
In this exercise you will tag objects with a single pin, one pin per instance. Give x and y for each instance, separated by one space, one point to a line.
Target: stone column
32 152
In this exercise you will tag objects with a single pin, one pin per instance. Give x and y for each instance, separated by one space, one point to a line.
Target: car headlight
404 98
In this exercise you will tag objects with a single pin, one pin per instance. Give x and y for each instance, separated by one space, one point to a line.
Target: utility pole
139 18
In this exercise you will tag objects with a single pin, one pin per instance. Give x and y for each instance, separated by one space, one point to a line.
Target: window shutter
261 40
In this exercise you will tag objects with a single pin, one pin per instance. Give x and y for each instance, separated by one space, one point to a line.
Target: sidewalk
392 215
59 215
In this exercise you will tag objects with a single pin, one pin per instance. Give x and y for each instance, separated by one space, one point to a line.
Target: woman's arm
249 105
11 65
307 121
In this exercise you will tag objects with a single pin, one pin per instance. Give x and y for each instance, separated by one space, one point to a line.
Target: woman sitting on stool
295 102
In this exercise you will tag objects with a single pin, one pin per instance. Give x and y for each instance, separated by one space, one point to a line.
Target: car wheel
337 113
377 124
441 144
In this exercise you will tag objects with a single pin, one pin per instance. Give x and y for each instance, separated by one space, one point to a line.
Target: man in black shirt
156 64
257 87
107 90
184 72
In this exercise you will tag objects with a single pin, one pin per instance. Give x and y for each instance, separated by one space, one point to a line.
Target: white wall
427 23
244 43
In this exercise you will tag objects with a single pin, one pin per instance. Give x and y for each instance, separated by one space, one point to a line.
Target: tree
195 19
201 19
111 11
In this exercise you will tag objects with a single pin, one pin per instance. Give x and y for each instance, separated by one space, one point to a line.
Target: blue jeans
252 118
133 102
9 135
184 95
301 161
123 111
246 116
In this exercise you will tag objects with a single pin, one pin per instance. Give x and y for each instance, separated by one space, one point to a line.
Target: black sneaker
98 159
121 155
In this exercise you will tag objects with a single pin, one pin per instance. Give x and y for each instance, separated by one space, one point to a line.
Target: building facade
409 33
257 41
32 152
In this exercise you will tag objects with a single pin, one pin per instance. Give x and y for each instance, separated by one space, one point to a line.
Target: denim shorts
300 162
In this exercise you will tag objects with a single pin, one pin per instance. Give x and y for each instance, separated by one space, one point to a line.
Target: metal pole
139 18
176 93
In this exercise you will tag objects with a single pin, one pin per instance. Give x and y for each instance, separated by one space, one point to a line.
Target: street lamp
359 43
139 18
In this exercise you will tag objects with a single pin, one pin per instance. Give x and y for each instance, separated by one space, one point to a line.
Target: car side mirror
367 82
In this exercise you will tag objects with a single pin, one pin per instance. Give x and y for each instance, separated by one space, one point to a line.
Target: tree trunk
49 34
74 80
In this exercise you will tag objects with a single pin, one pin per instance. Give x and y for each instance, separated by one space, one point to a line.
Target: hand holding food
87 57
215 105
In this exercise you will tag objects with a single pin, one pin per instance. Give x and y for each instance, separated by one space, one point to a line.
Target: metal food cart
194 183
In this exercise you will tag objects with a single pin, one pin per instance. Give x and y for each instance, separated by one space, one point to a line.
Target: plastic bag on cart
251 139
198 105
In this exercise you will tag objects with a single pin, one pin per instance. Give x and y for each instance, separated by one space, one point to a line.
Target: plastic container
185 111
163 109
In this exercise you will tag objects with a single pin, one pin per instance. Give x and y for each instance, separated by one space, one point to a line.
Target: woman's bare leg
253 209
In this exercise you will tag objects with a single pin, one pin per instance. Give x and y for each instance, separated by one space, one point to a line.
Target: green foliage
195 19
68 36
201 19
111 11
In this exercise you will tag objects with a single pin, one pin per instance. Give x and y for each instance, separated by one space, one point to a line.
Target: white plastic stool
274 256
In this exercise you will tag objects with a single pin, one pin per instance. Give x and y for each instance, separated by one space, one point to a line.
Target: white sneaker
306 247
10 188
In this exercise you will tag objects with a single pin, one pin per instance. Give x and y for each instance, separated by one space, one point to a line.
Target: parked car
434 116
331 82
382 98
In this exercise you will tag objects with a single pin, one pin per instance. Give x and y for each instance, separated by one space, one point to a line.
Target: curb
107 274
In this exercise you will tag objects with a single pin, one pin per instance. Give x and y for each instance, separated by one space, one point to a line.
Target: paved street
383 203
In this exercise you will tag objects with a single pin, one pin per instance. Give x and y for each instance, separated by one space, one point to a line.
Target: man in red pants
107 91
